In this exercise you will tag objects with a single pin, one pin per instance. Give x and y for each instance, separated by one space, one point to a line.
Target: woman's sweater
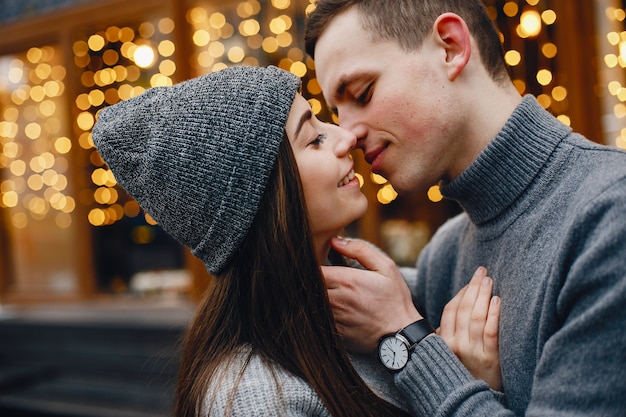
269 390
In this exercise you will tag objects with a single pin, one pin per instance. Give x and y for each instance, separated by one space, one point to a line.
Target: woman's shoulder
249 385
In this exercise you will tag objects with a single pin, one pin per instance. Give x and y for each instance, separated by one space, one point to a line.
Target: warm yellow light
610 60
80 48
11 149
143 56
35 182
146 30
112 34
8 129
316 105
622 50
166 25
386 194
216 49
166 48
559 93
298 68
110 57
255 41
96 42
236 54
249 27
37 93
270 45
167 67
548 16
549 50
613 38
196 15
619 110
544 77
244 10
512 58
96 217
32 130
377 179
19 220
281 4
434 194
96 97
18 168
201 37
160 80
85 120
510 9
10 199
284 39
313 86
34 55
131 209
564 119
150 220
126 34
62 145
217 20
47 108
545 100
530 23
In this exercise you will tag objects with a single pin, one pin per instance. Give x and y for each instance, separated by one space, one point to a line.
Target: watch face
393 353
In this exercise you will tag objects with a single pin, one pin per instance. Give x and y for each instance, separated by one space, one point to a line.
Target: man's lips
374 158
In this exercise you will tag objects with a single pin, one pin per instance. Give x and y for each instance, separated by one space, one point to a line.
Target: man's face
397 103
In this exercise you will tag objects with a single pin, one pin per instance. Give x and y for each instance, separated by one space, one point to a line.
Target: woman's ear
451 32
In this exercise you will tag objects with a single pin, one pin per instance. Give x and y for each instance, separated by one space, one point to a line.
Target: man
424 87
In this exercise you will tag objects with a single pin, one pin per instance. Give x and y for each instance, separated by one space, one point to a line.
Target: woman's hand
469 326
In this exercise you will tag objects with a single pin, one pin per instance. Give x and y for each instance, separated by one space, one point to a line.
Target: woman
235 166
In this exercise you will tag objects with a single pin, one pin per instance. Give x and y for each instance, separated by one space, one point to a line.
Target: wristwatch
394 348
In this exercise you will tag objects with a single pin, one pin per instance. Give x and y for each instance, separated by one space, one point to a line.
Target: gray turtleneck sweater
545 212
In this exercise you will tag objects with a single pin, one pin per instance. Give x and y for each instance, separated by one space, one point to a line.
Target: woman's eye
319 139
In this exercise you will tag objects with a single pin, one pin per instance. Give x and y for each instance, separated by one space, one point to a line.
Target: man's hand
367 304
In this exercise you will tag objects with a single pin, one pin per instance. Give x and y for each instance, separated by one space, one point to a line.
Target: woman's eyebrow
303 119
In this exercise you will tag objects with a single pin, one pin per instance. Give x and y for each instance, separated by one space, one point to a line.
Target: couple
235 166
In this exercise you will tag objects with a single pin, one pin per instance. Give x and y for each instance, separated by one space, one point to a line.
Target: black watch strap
415 332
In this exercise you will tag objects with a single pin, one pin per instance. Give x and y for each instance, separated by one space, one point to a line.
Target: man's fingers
364 253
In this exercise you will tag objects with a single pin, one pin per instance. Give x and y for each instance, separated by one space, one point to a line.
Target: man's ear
451 32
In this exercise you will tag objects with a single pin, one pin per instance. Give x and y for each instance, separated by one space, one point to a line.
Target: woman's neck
322 248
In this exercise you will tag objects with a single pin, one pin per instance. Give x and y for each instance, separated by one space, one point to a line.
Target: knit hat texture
197 155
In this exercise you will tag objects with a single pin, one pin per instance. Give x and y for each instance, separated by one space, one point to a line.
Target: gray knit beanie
197 156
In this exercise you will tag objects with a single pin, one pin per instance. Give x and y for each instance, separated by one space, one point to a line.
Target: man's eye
366 96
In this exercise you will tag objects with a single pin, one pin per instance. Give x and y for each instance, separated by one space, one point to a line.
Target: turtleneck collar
508 164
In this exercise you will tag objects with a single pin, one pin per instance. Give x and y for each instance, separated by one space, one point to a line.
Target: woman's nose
346 141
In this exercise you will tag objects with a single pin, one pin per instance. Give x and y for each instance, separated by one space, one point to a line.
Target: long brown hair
272 297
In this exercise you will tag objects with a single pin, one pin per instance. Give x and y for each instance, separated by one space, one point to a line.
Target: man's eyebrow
303 119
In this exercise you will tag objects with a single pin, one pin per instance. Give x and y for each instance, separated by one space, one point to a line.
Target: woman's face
332 192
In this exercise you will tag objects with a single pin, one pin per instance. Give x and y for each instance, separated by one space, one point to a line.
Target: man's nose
350 121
